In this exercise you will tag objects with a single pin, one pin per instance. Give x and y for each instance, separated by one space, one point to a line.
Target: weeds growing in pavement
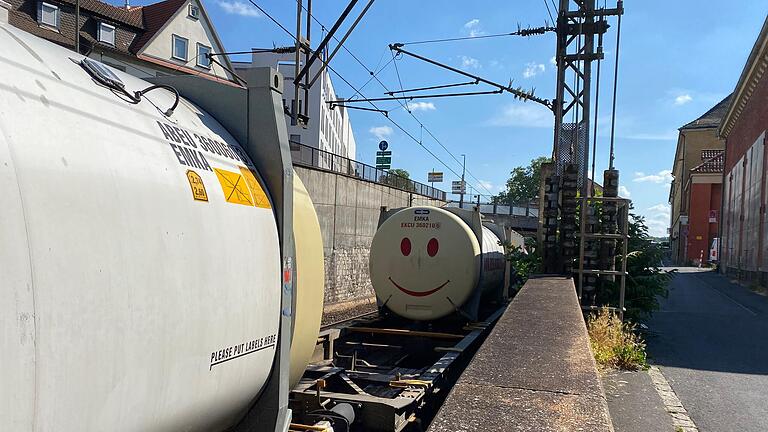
615 344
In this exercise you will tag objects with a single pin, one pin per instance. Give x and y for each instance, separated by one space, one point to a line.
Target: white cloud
660 209
421 106
553 61
663 176
486 184
381 132
657 219
469 62
683 99
524 115
532 69
472 28
236 7
657 227
624 192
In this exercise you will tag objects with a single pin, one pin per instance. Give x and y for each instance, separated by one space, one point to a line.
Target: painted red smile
418 293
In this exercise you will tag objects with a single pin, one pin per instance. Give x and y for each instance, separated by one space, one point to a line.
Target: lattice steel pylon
578 23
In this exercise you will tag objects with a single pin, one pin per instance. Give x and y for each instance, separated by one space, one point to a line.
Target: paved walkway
634 404
710 339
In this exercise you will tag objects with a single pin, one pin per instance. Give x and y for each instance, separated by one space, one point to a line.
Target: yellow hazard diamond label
257 192
234 187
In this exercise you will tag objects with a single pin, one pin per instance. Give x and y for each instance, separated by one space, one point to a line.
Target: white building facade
329 130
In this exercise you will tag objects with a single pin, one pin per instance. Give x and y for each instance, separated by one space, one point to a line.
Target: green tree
401 172
523 183
399 178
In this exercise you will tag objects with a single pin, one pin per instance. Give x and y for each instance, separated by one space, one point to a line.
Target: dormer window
48 15
194 11
106 33
180 48
202 56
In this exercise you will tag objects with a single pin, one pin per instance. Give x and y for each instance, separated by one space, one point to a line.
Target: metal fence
304 155
524 209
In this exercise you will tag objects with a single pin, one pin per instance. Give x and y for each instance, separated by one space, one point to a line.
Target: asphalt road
710 340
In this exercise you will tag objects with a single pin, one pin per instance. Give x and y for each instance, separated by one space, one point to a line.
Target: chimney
127 4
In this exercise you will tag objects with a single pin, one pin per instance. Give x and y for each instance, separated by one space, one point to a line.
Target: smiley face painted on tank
424 261
423 254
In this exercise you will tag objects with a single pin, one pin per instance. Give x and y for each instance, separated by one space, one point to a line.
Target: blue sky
678 59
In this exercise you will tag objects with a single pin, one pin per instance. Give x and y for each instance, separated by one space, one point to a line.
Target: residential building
744 243
328 129
166 38
696 187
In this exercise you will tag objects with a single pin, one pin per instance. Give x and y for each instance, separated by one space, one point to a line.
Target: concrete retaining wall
534 372
348 210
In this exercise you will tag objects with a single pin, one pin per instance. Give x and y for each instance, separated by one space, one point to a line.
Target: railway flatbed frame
395 378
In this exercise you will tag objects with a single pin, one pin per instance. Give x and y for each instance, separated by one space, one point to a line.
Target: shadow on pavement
709 323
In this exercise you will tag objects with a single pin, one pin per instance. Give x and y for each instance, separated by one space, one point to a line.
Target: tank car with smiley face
428 262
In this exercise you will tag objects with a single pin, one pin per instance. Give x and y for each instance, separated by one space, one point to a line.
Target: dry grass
615 345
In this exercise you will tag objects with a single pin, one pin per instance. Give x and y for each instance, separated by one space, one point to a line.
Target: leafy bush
645 280
615 344
523 263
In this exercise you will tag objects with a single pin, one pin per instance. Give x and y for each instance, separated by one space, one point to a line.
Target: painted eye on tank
405 246
432 247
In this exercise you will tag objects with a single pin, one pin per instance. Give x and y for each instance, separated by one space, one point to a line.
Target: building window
295 138
106 33
48 14
202 56
180 46
194 12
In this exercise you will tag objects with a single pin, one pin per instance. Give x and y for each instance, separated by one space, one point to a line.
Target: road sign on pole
384 157
458 187
435 177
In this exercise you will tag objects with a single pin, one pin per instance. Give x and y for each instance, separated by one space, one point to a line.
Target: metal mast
576 31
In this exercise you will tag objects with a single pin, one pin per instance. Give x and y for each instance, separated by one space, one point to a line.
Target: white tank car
429 262
140 271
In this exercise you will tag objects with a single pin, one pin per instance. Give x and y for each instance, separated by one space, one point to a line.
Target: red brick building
704 194
744 232
696 188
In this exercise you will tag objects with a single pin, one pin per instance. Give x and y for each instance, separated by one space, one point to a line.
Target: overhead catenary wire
615 85
549 12
597 106
376 108
525 32
360 62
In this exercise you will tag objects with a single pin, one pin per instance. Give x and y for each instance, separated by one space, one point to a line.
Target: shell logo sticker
234 187
198 187
259 197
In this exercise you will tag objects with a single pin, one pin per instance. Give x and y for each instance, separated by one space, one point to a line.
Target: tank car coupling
341 416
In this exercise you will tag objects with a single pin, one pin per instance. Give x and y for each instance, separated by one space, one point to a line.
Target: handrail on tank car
304 155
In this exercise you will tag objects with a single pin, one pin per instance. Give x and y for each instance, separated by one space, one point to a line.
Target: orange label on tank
234 187
259 197
196 184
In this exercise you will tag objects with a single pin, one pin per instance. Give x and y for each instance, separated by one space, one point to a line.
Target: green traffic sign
384 153
386 167
383 160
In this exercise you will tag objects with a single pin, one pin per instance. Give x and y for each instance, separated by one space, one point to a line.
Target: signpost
435 177
458 187
383 157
